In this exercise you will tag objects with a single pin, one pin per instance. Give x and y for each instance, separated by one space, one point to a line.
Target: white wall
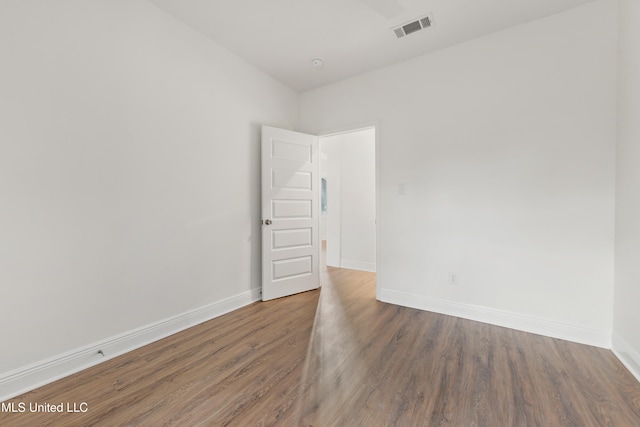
627 286
504 149
351 199
129 172
333 152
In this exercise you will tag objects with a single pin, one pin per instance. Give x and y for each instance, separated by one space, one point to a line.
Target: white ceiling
281 37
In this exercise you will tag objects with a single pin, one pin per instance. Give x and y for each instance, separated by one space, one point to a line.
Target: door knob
268 222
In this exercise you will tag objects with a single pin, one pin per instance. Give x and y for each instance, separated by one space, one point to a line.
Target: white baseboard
629 356
579 334
27 378
358 265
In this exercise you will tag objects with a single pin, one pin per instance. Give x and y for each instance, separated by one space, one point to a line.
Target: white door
290 213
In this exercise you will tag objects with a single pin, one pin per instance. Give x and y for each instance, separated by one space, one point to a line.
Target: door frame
353 128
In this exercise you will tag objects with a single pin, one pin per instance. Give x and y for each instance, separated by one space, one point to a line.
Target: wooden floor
338 357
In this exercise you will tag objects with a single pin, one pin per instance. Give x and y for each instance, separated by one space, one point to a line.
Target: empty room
320 213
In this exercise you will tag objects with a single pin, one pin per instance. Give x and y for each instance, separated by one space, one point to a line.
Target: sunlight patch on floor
331 368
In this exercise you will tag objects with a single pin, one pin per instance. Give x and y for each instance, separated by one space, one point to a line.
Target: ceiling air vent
413 26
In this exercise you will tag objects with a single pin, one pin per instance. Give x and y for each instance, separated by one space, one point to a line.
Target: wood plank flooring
338 357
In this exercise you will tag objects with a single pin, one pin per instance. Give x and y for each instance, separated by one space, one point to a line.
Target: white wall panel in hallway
351 199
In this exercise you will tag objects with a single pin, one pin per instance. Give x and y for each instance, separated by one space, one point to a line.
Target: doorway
348 199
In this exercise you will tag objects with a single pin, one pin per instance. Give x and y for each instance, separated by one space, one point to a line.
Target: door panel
282 149
292 209
294 238
290 213
292 267
291 180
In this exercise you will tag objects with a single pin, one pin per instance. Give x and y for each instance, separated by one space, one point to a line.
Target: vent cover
413 26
